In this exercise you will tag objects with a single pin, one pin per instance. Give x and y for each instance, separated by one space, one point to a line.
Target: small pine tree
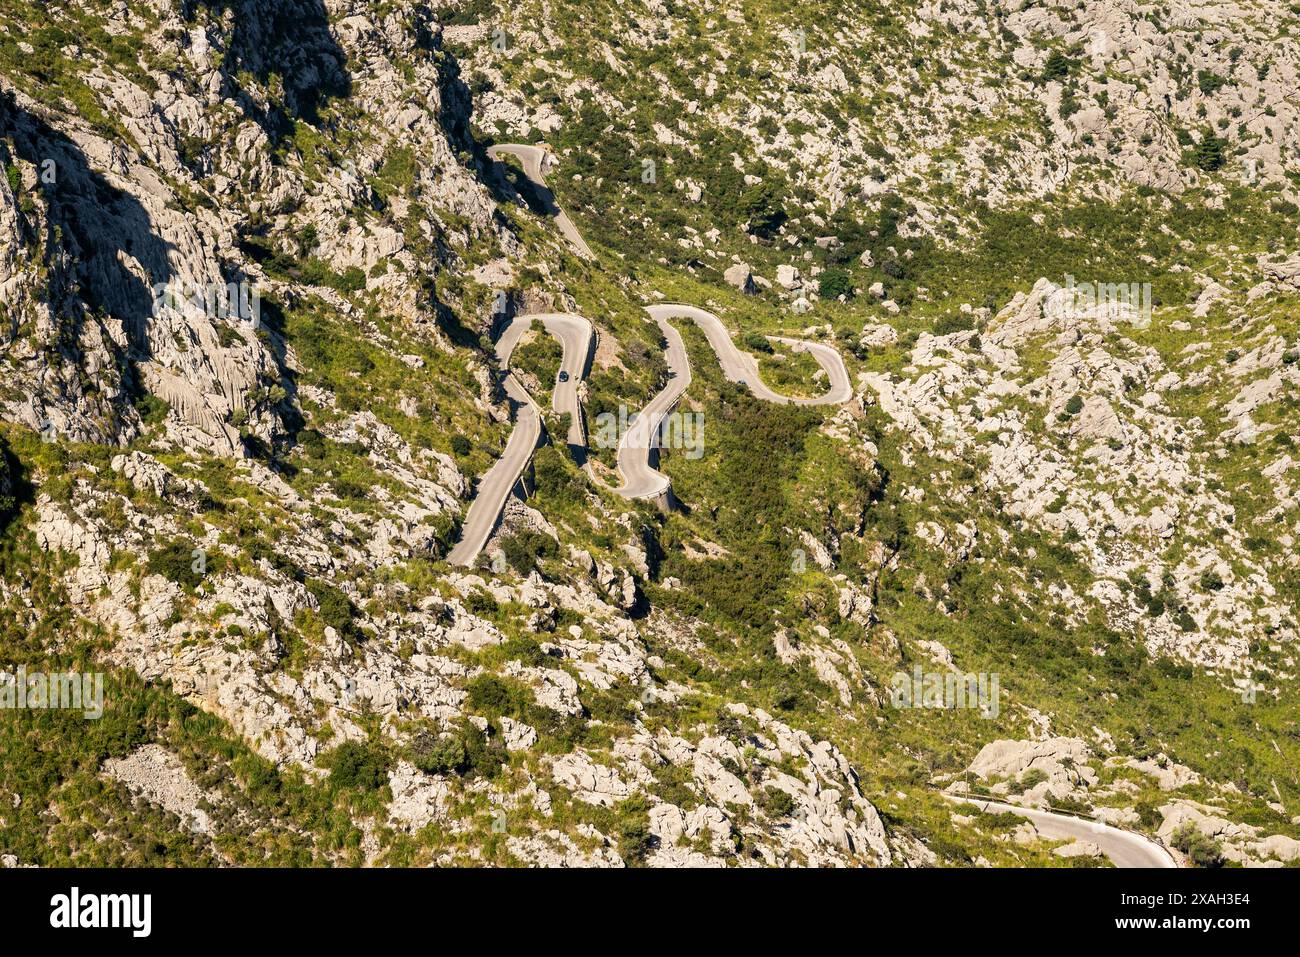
1210 154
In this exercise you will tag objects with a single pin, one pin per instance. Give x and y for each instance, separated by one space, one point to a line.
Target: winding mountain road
740 366
500 479
534 160
639 445
577 337
1124 848
637 449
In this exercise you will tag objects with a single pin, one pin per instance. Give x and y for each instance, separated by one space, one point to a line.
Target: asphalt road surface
1124 848
637 447
576 336
534 158
740 366
500 479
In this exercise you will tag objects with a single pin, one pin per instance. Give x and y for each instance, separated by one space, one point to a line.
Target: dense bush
1201 850
336 609
481 603
635 840
8 499
758 446
835 283
953 322
486 752
493 697
444 755
151 409
1210 153
1057 67
357 766
776 802
761 206
1209 81
527 547
553 477
176 562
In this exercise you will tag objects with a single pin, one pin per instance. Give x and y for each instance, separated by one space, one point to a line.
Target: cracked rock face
1064 439
251 510
122 242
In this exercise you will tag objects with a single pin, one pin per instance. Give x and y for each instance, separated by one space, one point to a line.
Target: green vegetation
336 609
527 548
834 283
178 561
776 802
1211 152
8 482
733 603
356 766
635 841
1201 850
66 813
466 752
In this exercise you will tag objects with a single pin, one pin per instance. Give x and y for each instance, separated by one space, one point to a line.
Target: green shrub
493 697
554 478
525 548
354 765
635 841
151 409
525 649
176 562
1210 153
8 500
1201 850
1057 67
485 750
1149 815
761 206
1032 777
352 279
1173 669
336 609
776 802
460 446
307 239
834 283
1209 81
444 755
480 603
953 322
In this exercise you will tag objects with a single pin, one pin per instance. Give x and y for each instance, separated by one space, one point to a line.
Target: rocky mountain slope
253 256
